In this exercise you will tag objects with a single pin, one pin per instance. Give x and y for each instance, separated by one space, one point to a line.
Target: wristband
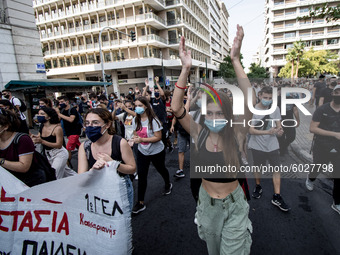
182 115
179 86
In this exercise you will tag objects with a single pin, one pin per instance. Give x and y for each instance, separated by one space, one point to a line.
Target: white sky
250 15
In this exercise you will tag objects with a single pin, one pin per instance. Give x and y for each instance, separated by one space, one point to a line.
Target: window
55 63
91 59
88 40
107 57
290 35
332 41
76 61
304 10
290 12
61 63
317 43
289 46
102 18
83 60
68 62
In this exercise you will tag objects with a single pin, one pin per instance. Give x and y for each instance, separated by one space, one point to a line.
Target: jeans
129 188
143 163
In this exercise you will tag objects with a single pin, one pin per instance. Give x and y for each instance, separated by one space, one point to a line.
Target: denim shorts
223 223
183 142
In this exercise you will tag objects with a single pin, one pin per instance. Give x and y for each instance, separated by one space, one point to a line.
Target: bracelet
179 86
182 115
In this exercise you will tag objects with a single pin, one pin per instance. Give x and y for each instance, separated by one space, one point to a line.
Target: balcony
172 2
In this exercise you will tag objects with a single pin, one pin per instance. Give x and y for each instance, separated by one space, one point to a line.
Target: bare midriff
219 190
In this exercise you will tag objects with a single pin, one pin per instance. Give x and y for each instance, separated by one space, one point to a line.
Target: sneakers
167 190
309 184
257 193
179 174
278 201
138 208
336 208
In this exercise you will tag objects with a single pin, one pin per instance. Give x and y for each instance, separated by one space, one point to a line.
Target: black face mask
336 99
7 96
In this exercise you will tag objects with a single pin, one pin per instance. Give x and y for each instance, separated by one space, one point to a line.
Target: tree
299 48
291 57
227 69
330 13
313 63
257 71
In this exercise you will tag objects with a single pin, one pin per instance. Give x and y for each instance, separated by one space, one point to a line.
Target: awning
33 84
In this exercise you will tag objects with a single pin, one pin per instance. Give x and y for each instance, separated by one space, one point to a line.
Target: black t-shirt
71 128
330 121
319 87
158 106
326 93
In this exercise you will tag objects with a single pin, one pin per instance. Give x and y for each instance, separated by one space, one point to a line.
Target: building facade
19 39
69 35
283 28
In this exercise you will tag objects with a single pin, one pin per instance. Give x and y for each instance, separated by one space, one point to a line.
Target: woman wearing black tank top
51 138
104 148
222 209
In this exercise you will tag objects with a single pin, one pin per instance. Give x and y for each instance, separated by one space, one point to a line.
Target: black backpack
40 170
23 106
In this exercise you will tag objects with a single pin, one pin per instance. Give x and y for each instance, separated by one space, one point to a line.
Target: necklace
214 144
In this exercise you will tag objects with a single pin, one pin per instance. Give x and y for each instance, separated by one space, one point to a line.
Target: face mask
94 133
41 119
139 110
266 102
131 109
41 106
199 103
112 98
156 94
336 99
130 92
62 106
7 96
219 125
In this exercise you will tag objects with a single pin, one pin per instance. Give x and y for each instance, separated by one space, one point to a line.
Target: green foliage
227 69
323 12
257 71
312 63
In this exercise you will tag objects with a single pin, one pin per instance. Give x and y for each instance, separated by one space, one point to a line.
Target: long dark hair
229 146
149 112
54 118
9 118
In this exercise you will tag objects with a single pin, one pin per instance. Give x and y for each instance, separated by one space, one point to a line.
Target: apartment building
69 35
283 28
19 39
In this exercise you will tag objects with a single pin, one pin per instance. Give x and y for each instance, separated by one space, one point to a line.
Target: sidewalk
303 141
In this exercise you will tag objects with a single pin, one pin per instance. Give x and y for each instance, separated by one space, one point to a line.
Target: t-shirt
330 121
12 152
15 101
319 87
326 94
158 106
71 128
145 132
127 124
266 143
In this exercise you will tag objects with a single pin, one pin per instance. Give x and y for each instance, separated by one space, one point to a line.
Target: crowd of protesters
143 126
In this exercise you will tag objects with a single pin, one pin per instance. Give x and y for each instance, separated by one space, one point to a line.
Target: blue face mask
156 94
219 125
139 110
94 133
266 102
199 103
62 106
41 119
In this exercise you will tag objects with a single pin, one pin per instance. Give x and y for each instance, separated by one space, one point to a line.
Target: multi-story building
69 35
19 39
283 28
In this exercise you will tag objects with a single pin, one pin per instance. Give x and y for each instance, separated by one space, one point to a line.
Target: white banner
82 214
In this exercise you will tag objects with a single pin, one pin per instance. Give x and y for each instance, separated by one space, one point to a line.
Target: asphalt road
167 225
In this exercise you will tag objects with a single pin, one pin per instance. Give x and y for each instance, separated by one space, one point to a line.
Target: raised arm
177 100
242 78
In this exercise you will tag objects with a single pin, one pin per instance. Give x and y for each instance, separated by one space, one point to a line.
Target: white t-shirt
145 132
15 101
266 143
127 124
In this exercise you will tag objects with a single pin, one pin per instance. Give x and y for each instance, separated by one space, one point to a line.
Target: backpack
22 107
39 167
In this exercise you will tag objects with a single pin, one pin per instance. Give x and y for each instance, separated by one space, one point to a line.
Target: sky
250 15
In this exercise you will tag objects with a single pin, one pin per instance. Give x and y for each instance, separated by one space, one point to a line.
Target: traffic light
108 77
133 35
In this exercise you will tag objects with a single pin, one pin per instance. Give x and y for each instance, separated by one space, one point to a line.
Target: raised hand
236 48
184 54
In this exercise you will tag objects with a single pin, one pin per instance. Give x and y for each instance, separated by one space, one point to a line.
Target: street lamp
133 37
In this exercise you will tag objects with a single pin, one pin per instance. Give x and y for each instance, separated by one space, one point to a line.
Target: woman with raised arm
222 209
